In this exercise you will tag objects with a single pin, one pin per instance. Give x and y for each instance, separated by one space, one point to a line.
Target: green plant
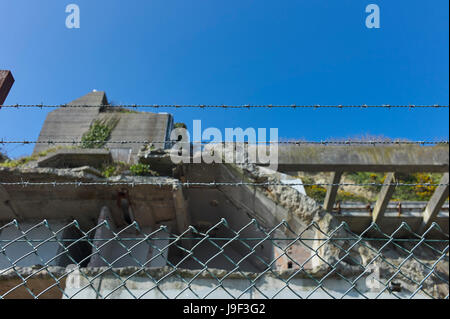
115 169
345 196
316 192
421 192
141 170
368 178
109 171
180 125
98 133
24 160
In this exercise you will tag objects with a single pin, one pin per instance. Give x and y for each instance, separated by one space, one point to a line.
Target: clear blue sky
234 52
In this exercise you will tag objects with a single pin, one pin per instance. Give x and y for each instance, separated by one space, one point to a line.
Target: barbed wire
244 106
345 142
205 184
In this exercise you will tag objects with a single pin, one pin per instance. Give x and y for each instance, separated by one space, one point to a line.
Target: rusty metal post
6 82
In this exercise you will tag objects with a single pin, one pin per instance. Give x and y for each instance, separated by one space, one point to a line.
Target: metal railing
55 259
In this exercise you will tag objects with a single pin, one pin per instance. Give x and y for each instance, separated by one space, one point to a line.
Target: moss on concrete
28 159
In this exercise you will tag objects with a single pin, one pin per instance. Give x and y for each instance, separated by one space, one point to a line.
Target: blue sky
234 52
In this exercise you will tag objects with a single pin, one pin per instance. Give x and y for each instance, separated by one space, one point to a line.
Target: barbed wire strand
205 184
202 106
346 142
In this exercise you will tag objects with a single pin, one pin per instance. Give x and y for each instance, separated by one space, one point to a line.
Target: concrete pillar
435 203
181 210
6 205
102 250
182 216
159 251
384 197
129 248
332 190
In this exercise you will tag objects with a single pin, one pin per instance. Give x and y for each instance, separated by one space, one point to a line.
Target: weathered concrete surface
122 251
72 158
396 158
269 285
358 218
77 282
158 159
151 203
207 206
437 200
384 197
152 127
301 210
332 191
70 124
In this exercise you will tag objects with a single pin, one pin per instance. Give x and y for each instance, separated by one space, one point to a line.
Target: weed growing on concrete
99 133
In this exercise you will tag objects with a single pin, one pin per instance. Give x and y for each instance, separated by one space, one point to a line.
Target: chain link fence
55 259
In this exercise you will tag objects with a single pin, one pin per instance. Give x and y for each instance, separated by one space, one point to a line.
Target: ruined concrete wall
139 127
70 123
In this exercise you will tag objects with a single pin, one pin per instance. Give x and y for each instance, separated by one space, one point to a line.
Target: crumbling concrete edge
43 272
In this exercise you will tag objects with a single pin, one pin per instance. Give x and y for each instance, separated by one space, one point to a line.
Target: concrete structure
73 158
70 124
117 248
350 158
93 283
183 285
155 201
23 247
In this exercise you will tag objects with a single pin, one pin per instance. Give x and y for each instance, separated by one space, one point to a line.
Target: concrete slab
72 158
397 158
134 126
236 285
151 204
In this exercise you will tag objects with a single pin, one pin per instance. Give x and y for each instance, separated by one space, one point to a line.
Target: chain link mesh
52 259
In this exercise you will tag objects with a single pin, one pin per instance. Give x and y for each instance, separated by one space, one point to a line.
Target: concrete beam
332 190
181 211
434 205
6 83
7 210
384 197
393 158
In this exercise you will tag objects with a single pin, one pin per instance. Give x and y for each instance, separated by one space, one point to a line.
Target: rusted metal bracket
6 83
